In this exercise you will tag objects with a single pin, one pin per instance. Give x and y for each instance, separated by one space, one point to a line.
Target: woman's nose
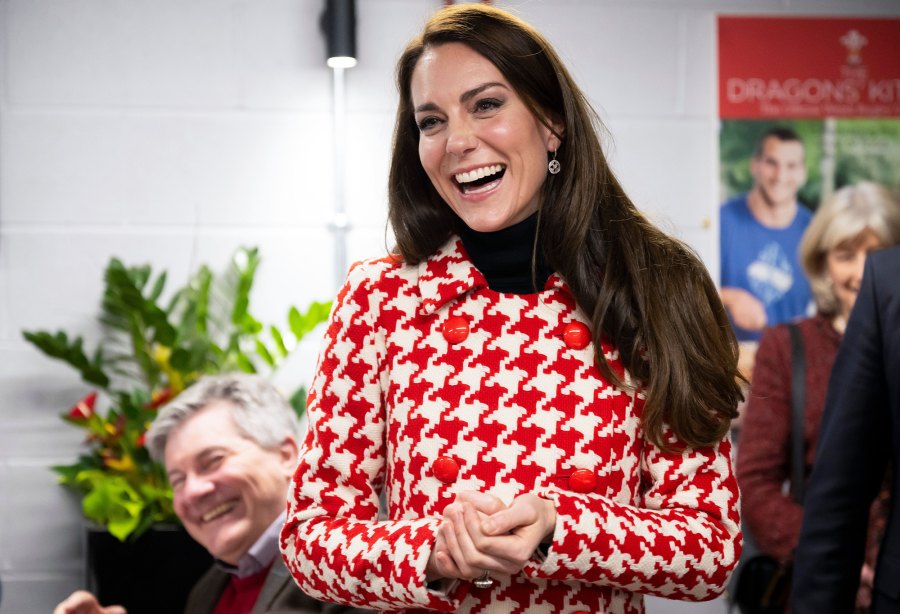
460 139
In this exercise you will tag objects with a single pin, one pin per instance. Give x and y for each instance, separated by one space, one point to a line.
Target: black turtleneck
504 256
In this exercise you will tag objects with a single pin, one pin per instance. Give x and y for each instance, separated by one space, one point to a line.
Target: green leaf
279 341
250 325
298 401
58 346
203 282
126 521
157 290
295 321
264 353
141 348
113 503
180 359
203 356
245 364
164 332
245 263
198 355
140 275
302 324
132 405
124 293
68 474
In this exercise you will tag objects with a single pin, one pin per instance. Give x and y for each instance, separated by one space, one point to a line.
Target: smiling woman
481 146
539 383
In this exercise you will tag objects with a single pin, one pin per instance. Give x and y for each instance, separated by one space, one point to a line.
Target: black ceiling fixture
338 23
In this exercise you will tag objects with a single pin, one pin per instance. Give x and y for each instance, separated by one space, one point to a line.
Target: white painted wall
171 131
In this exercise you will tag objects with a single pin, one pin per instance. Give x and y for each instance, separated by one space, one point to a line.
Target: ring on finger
483 581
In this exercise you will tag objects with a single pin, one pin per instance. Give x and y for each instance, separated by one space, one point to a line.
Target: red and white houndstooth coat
431 383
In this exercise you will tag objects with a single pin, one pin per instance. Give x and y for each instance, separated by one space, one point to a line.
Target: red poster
792 67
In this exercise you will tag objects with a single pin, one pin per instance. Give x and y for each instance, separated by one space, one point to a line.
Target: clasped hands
479 533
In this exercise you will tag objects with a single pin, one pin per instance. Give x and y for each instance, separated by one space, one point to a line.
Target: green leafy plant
148 352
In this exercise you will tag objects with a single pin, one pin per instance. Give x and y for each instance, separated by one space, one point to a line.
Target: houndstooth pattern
519 411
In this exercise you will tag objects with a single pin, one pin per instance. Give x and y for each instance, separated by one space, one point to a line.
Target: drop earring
554 166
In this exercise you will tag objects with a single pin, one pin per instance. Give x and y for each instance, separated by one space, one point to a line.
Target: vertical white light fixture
338 23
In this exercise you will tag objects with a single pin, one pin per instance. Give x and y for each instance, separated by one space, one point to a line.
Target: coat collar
449 274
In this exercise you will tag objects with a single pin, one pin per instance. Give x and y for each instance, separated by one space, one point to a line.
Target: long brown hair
646 292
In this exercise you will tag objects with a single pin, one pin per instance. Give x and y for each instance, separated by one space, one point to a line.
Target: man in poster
762 282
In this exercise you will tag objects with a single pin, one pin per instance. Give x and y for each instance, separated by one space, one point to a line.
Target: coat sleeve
681 540
333 542
851 456
764 453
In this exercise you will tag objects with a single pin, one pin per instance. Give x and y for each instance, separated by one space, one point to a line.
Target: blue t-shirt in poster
764 261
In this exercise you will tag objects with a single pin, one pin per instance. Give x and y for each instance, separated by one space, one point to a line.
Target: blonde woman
856 220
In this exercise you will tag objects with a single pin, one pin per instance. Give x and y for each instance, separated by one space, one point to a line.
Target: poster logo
854 42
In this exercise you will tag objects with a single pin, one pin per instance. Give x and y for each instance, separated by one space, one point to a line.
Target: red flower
142 440
160 398
84 409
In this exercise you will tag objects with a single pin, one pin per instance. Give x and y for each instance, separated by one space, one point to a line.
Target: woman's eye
487 104
843 256
427 123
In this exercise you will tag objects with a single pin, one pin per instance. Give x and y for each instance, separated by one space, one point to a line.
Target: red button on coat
583 480
576 335
456 329
445 469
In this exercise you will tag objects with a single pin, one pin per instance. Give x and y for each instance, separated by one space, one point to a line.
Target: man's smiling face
227 488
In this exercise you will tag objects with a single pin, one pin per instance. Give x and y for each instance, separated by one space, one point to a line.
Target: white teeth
478 173
484 188
217 511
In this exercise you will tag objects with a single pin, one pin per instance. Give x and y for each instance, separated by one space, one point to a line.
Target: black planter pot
150 575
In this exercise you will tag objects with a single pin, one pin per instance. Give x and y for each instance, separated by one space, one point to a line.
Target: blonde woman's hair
840 219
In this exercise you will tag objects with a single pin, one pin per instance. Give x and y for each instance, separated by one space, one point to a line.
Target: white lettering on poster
796 91
886 90
812 92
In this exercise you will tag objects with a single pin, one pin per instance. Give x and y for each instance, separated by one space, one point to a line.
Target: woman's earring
554 166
